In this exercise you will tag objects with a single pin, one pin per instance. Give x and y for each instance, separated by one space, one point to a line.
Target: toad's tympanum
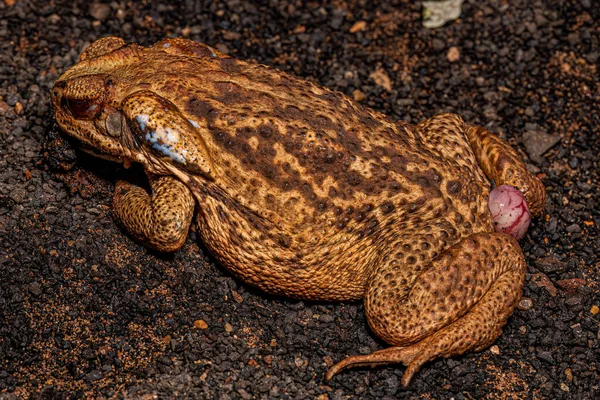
301 192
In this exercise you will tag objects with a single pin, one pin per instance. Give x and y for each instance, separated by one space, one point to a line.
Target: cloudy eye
82 108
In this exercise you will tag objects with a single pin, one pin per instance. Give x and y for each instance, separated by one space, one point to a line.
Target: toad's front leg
459 302
160 220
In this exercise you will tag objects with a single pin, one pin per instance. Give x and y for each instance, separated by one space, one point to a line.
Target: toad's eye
82 108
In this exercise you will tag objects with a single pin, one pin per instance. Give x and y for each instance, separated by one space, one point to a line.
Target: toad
301 192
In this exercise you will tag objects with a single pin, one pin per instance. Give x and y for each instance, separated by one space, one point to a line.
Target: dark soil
86 312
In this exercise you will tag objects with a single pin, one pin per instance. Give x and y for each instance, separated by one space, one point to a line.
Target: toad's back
304 158
306 172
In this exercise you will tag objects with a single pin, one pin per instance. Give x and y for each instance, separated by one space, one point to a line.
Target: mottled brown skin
301 192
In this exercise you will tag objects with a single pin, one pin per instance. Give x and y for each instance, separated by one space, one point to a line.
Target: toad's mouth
105 156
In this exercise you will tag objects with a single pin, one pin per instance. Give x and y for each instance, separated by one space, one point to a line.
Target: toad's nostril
59 85
57 90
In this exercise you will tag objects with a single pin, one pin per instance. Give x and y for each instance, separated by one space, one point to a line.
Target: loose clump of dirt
86 312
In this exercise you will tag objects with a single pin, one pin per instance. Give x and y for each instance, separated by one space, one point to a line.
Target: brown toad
301 192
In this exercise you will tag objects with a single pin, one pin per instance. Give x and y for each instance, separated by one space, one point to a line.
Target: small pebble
453 54
522 329
18 195
99 11
94 375
222 48
228 35
326 318
200 324
525 304
18 108
569 374
537 143
573 162
358 95
545 356
54 19
495 350
35 288
300 362
237 297
574 300
12 99
550 264
228 327
571 285
3 107
574 228
595 309
541 280
358 26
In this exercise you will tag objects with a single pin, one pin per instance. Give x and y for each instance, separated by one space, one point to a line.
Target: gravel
87 312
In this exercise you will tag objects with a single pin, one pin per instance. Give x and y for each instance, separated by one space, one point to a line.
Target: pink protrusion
509 211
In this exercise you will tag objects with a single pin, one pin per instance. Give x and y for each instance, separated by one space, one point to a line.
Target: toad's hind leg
161 220
479 150
445 136
459 302
502 164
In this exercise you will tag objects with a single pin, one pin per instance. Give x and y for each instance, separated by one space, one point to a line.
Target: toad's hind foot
458 303
474 331
395 355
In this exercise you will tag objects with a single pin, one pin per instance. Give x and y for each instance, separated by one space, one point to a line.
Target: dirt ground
86 312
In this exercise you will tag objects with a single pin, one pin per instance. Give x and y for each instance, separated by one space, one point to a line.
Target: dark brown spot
231 93
199 50
366 119
285 241
265 131
453 188
387 207
230 65
353 178
198 108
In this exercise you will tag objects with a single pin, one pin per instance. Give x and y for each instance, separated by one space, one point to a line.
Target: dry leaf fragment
382 79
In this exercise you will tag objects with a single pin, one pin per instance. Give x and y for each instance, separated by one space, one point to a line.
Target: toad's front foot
161 220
